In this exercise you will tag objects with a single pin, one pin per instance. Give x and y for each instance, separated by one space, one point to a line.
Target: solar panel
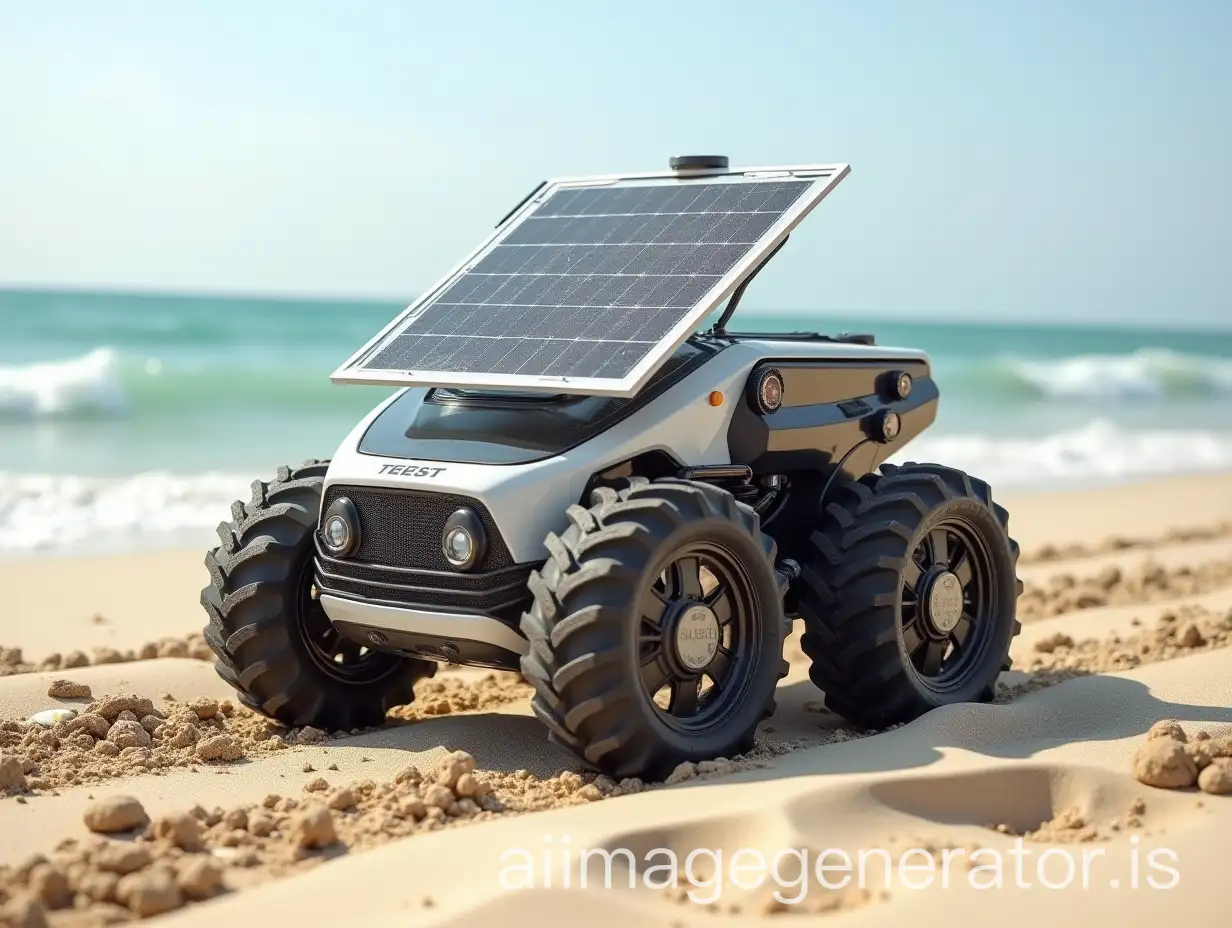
593 282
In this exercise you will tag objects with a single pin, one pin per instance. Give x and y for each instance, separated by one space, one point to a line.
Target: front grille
504 596
402 528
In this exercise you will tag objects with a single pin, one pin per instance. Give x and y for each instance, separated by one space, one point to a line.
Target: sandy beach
1126 611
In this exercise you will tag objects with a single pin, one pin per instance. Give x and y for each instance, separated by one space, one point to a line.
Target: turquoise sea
130 420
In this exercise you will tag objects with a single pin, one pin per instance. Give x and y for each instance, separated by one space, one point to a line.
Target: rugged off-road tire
269 643
866 602
589 639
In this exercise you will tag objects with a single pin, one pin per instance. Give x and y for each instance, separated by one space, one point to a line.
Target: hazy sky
1057 158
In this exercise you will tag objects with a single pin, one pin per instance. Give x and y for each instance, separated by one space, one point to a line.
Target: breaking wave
1098 451
105 383
43 513
81 386
1141 374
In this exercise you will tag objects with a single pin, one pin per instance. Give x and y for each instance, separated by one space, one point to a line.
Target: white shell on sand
49 717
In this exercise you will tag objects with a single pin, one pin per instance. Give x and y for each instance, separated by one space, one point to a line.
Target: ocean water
130 421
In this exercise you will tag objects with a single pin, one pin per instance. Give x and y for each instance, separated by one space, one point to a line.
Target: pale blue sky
1009 159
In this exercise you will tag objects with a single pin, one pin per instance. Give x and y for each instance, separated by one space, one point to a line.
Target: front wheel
909 594
273 642
656 628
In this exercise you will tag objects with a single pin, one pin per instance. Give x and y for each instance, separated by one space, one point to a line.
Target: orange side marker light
716 398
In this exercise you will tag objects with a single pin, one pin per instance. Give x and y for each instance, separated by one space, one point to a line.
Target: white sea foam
86 384
1145 373
1099 451
41 513
45 513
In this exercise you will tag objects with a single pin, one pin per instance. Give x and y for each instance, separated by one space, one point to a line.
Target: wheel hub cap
696 637
944 601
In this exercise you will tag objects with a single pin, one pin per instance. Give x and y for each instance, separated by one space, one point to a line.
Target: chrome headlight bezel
342 511
467 523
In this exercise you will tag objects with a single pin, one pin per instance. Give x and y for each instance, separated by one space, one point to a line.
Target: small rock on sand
204 708
219 747
310 735
94 725
686 770
200 878
409 775
261 824
1216 779
313 827
110 707
453 766
149 892
1200 751
115 814
439 795
51 886
1163 762
1053 642
12 776
467 786
122 858
1167 728
181 829
128 734
68 689
1190 637
316 785
343 799
24 912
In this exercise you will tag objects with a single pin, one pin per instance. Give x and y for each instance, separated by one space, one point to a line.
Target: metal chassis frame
349 371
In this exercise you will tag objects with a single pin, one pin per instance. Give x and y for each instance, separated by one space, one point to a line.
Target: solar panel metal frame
824 176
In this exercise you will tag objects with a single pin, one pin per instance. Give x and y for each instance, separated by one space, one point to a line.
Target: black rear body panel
830 407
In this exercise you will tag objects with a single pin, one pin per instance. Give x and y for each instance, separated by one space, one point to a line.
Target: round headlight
767 391
337 533
459 546
463 539
340 527
901 385
887 426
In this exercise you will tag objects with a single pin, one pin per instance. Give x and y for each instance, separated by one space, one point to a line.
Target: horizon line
1209 326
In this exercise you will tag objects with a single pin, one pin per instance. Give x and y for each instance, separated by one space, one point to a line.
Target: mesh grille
402 528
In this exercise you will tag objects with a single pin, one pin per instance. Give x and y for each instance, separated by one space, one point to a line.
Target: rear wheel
909 594
656 628
273 642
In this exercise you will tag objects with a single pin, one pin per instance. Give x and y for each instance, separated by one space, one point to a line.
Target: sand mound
1187 630
12 660
1050 553
1112 586
443 695
1170 759
122 734
125 734
192 855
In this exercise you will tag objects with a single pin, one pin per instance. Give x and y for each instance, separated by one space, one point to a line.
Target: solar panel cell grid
590 282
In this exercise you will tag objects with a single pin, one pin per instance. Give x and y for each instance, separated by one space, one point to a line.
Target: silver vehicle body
527 501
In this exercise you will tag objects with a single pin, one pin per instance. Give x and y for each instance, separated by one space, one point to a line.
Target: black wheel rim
691 700
945 631
338 656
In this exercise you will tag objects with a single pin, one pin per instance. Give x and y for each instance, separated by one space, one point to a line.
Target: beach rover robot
578 480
